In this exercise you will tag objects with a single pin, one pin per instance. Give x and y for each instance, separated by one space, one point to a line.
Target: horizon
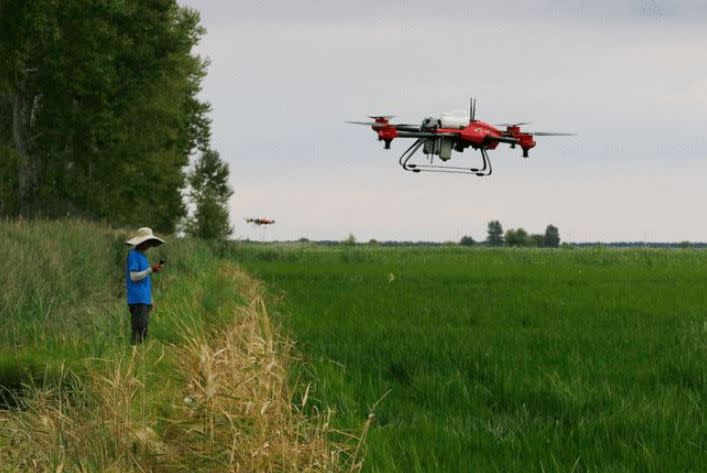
627 243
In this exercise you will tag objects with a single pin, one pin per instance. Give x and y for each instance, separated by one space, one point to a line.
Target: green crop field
526 360
531 360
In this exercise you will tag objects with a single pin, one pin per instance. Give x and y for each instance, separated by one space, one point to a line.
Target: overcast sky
629 77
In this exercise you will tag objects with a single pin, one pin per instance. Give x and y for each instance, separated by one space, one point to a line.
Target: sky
628 76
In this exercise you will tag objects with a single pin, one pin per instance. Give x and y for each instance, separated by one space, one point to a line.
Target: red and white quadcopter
260 221
438 136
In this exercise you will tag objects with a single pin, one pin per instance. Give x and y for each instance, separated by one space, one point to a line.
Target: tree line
495 236
100 115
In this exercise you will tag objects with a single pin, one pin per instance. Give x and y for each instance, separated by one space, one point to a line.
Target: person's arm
136 276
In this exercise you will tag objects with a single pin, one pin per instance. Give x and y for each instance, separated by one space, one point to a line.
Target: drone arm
504 139
425 134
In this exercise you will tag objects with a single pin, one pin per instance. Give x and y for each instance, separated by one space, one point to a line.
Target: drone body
439 136
260 221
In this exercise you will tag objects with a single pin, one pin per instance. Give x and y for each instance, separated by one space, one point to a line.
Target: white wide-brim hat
144 234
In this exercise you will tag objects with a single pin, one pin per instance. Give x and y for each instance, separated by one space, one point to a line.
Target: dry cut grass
237 413
234 412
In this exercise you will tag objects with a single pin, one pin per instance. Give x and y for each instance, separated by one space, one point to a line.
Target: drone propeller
512 124
400 127
354 122
549 133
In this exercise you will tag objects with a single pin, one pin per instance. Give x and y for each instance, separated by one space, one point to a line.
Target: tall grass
524 360
226 407
54 278
207 392
63 292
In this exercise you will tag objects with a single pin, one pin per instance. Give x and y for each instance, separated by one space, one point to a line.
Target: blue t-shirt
139 292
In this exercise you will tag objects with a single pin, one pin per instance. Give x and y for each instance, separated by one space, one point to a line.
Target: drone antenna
472 109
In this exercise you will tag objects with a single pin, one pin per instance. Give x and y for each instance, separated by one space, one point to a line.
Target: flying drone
260 221
438 136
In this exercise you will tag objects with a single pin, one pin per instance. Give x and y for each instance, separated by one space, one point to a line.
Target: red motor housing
526 142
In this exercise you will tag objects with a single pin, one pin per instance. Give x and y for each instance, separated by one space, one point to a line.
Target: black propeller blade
354 122
512 124
549 133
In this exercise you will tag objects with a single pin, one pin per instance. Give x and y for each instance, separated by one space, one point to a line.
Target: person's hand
156 268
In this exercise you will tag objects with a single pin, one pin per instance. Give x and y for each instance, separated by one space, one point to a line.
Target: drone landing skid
406 157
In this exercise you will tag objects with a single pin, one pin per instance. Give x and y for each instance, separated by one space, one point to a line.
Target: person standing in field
138 282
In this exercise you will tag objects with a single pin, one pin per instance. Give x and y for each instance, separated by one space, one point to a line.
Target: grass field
530 360
63 296
526 360
207 392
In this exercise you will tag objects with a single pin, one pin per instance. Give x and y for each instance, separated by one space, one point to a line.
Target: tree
99 109
350 240
552 237
467 241
495 233
537 240
209 192
517 237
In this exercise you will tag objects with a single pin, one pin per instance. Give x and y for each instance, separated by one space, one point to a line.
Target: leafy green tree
350 240
552 237
209 192
467 241
494 233
100 109
536 239
517 237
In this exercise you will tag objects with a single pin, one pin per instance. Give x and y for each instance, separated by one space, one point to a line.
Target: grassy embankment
526 361
209 391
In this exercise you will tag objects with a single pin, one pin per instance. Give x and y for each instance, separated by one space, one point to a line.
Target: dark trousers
139 318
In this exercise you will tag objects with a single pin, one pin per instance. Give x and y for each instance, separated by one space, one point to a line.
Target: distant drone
260 221
439 136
